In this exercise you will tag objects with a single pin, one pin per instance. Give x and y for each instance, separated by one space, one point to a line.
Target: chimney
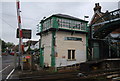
97 7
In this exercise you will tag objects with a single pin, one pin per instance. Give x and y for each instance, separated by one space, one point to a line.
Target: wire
22 17
8 23
16 16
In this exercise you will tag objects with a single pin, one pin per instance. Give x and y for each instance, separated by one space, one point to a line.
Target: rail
108 17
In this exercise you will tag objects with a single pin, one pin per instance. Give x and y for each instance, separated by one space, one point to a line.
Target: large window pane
73 54
69 54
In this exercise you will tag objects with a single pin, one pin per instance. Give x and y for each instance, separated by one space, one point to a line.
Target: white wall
64 45
46 42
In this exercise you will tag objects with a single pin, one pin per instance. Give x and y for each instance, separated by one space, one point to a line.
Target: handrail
108 14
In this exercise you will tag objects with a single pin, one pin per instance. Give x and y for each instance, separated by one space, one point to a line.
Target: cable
8 24
22 17
16 16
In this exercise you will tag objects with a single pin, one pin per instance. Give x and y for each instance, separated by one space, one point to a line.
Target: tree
3 45
6 45
9 45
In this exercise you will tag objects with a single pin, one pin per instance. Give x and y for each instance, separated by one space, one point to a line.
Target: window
71 54
73 38
83 26
47 24
72 24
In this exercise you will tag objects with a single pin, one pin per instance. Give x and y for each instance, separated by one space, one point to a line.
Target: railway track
70 76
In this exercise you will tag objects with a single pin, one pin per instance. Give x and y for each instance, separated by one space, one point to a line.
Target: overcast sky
33 12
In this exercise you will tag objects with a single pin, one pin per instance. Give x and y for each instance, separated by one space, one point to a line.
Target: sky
33 12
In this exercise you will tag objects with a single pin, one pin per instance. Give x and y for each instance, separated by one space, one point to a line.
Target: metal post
90 45
109 52
86 17
15 59
117 50
20 32
109 46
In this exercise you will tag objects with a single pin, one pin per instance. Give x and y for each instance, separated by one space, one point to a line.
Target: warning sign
26 33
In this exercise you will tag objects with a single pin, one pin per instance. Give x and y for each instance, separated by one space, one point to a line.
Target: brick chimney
97 7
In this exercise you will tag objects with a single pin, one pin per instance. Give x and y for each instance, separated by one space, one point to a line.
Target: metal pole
20 32
117 50
109 46
90 41
15 59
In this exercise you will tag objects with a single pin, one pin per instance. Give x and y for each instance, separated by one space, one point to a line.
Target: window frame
71 55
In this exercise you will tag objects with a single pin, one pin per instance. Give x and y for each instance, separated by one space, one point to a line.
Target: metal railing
108 17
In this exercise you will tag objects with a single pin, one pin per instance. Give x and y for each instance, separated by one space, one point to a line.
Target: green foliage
5 45
9 45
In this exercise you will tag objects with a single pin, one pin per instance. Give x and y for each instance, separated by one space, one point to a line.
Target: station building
63 41
109 47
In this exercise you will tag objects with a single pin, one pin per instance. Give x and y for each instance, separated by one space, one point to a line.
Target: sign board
26 33
27 57
23 59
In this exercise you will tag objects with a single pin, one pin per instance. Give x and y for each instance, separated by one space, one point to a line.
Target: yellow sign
24 59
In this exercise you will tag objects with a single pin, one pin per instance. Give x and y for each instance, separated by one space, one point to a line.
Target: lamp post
86 17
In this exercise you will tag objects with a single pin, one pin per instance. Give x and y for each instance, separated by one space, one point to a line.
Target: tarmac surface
7 66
